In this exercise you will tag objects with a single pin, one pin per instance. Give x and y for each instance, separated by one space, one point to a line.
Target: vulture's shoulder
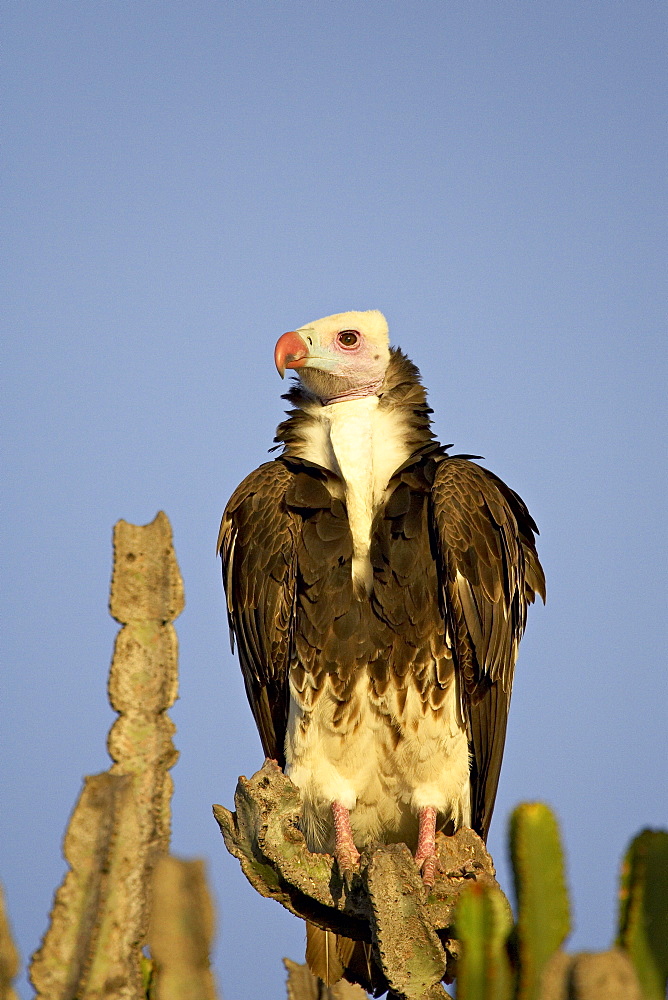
487 530
271 479
271 494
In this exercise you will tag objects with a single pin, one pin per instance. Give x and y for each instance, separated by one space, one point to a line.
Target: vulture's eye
348 338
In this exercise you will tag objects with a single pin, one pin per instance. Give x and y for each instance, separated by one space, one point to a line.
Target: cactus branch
376 904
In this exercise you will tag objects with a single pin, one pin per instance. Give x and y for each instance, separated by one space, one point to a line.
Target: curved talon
429 866
347 858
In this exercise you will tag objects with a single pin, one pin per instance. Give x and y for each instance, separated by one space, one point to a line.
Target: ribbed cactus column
120 826
484 921
146 597
643 917
543 909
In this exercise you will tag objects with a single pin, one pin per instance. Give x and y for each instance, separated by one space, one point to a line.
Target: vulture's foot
426 856
346 854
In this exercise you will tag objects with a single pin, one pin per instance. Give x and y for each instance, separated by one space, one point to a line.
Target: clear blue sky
183 182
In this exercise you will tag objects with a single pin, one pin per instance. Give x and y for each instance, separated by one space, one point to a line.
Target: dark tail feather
333 957
323 955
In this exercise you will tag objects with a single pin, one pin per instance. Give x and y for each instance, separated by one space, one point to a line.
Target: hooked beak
290 352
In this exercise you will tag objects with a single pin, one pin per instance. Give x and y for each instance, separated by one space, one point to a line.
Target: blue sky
183 182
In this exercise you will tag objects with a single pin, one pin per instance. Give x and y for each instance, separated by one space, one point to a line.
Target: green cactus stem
483 923
543 915
643 911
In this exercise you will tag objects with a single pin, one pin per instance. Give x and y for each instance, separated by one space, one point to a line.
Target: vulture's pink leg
426 857
345 852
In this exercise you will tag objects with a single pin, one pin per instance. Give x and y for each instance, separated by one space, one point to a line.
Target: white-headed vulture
377 589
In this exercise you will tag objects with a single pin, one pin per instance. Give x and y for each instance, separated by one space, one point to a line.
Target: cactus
603 975
637 967
412 956
484 921
180 932
543 917
120 825
9 956
385 903
643 912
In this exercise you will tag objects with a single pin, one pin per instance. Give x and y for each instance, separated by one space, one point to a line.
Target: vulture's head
345 355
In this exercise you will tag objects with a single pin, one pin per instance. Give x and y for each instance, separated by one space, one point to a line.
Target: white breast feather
360 767
363 444
352 438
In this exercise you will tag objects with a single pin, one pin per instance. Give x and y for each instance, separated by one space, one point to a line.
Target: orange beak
290 352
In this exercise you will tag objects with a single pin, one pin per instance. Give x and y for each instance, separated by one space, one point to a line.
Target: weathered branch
387 904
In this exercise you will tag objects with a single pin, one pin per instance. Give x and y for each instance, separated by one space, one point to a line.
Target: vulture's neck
363 442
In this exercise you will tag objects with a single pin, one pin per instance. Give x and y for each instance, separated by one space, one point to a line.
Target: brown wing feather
489 572
257 544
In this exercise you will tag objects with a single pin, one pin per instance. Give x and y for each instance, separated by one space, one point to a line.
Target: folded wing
257 544
489 572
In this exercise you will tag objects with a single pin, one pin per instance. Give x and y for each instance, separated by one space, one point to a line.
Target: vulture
377 590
